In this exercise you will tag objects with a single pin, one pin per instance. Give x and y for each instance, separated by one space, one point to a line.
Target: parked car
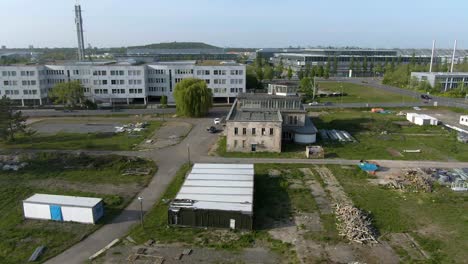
426 97
314 103
327 103
212 129
217 121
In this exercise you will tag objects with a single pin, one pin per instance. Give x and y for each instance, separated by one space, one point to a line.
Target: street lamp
141 210
188 153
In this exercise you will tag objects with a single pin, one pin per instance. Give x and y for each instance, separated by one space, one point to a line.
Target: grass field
434 142
68 175
90 141
437 220
360 94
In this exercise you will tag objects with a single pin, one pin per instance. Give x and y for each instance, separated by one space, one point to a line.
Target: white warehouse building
421 119
447 80
112 82
63 208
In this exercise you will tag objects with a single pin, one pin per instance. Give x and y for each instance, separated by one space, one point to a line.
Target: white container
63 208
464 120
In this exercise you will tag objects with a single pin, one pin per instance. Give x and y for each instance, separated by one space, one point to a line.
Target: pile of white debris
132 127
11 163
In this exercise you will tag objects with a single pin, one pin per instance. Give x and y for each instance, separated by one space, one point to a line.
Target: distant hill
177 45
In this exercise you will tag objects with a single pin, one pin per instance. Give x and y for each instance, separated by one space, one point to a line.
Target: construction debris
37 253
315 152
130 128
354 224
137 171
336 135
411 180
11 163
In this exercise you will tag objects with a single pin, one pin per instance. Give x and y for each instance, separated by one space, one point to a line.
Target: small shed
421 119
215 195
63 208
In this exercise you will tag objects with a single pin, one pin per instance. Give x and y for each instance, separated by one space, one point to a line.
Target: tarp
365 166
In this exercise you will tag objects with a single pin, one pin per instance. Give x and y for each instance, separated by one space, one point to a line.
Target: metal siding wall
207 218
78 214
36 211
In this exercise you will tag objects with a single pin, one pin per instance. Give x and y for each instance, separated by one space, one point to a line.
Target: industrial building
446 80
297 58
112 82
63 208
260 122
156 55
215 195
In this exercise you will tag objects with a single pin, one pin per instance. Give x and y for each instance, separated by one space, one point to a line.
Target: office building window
236 131
244 131
271 131
253 131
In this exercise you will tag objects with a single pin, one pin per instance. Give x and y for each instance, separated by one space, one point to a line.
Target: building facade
260 123
446 80
298 59
112 82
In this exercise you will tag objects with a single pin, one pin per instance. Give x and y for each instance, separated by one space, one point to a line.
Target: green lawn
360 94
434 142
21 237
91 141
437 220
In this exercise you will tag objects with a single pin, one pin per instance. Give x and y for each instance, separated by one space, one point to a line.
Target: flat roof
74 201
256 115
224 187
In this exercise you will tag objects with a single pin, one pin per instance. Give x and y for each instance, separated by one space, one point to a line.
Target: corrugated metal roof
63 200
222 166
227 187
220 177
224 171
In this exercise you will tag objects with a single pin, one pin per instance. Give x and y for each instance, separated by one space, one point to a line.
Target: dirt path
319 194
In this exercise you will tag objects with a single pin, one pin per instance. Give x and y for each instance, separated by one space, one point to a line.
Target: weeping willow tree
193 98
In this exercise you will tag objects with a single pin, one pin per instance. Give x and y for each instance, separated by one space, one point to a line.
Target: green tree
335 65
268 72
307 87
259 72
279 68
67 93
193 98
11 121
301 74
327 71
251 79
320 71
351 64
378 69
290 73
308 70
313 71
371 66
163 101
364 65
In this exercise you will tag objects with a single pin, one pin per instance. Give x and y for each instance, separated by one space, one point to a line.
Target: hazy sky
237 23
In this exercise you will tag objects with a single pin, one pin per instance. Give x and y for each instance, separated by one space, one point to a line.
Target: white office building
447 80
112 82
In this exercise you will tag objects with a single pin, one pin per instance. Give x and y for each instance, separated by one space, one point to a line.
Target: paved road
383 163
169 161
376 83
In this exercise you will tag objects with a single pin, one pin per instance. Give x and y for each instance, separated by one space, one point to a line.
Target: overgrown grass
91 141
361 94
437 220
21 237
379 136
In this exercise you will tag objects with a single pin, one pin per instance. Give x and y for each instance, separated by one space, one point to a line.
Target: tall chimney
432 55
79 32
453 55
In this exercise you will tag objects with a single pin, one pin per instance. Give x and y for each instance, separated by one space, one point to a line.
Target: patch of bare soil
174 253
320 196
171 133
406 242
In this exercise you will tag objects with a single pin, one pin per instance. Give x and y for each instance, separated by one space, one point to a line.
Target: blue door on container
56 212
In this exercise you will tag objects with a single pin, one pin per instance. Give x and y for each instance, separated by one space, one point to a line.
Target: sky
237 23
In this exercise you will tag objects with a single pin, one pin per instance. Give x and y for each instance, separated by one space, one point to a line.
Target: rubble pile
411 180
354 224
11 163
130 128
